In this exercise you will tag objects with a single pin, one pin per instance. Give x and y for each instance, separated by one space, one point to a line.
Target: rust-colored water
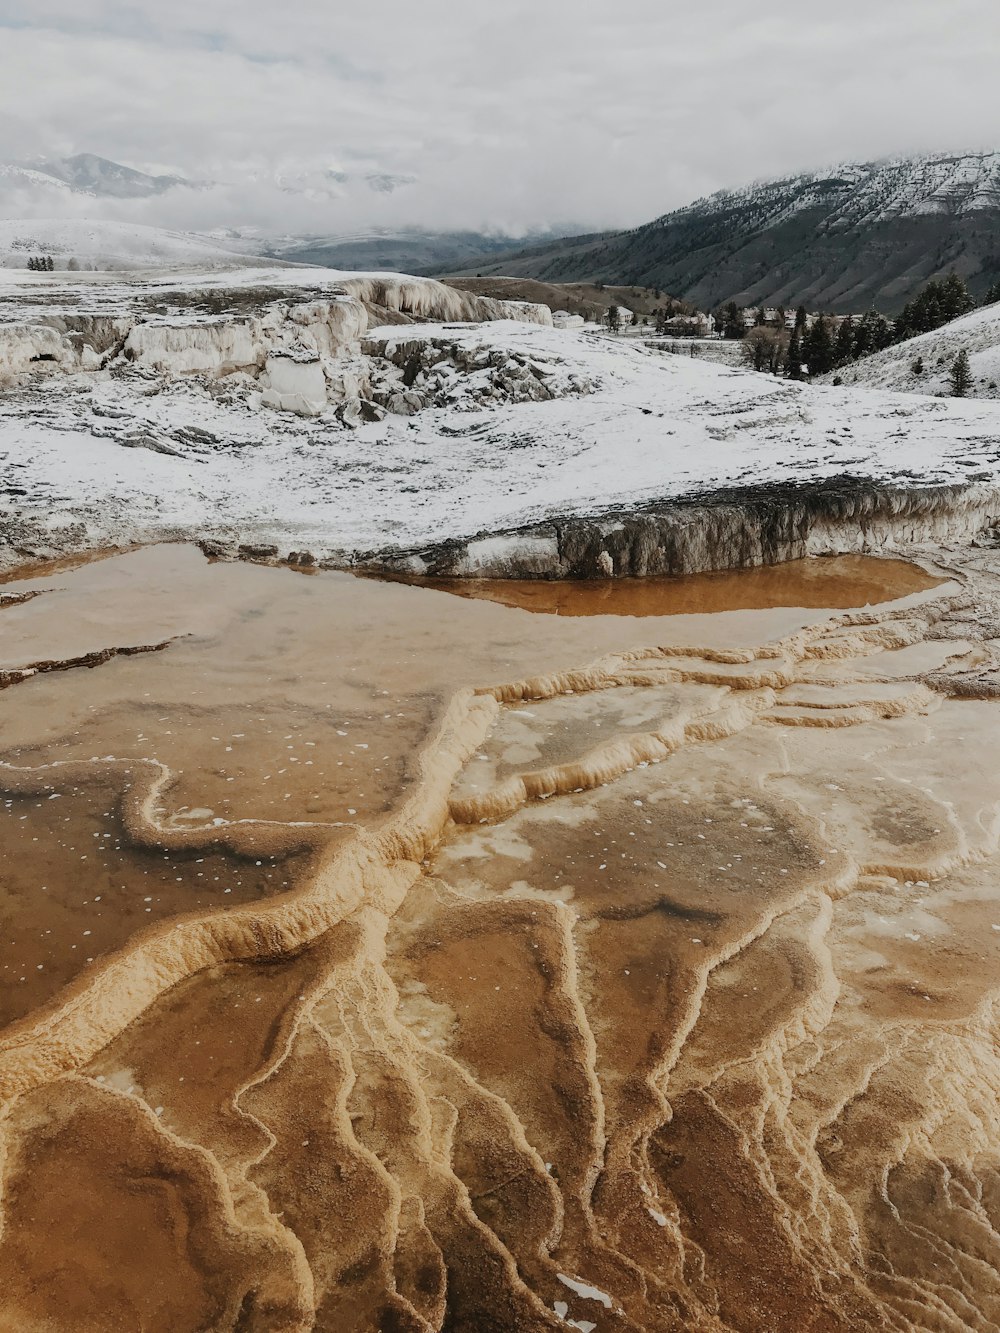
836 581
381 959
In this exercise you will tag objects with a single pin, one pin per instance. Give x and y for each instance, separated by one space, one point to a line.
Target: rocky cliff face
732 529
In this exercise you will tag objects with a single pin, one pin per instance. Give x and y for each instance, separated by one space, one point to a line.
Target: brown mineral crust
660 994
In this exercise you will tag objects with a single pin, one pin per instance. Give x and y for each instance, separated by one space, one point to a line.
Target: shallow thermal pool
612 956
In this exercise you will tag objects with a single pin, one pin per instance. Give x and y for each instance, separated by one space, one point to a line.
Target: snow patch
587 1292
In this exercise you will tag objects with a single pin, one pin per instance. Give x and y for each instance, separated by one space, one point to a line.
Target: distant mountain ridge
86 173
101 178
856 192
841 239
406 250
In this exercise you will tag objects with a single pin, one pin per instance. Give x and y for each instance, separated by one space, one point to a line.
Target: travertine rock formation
296 343
664 998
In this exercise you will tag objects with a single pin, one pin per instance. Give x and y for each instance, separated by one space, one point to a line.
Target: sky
531 114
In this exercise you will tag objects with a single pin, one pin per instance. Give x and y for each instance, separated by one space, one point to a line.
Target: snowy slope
505 425
106 245
864 192
978 333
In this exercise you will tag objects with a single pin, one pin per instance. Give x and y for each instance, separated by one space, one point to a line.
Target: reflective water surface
610 956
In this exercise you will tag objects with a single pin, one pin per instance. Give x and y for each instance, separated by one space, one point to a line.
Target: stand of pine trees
819 350
41 264
938 303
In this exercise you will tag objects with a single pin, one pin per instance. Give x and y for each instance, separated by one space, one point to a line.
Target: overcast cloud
510 116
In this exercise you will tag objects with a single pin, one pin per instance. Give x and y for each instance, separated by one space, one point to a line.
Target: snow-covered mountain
303 210
88 174
855 193
841 238
101 178
923 364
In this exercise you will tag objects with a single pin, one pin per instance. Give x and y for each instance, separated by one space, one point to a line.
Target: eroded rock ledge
733 528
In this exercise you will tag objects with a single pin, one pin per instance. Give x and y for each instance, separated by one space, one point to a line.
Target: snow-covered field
109 246
923 365
416 433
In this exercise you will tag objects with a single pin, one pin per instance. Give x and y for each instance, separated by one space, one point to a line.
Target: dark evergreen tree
843 352
818 348
961 375
956 299
733 326
882 331
872 333
800 319
862 338
793 361
993 295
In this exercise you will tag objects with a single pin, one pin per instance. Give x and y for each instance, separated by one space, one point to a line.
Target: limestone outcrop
297 349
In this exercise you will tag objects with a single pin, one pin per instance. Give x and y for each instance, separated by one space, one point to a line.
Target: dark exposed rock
249 552
736 528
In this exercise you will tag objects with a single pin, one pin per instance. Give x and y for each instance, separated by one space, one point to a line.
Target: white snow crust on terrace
219 324
91 460
978 333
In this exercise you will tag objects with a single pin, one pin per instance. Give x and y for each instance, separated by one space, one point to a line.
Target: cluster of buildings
699 324
774 317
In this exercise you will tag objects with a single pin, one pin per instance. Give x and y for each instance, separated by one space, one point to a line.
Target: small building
696 325
562 319
768 315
